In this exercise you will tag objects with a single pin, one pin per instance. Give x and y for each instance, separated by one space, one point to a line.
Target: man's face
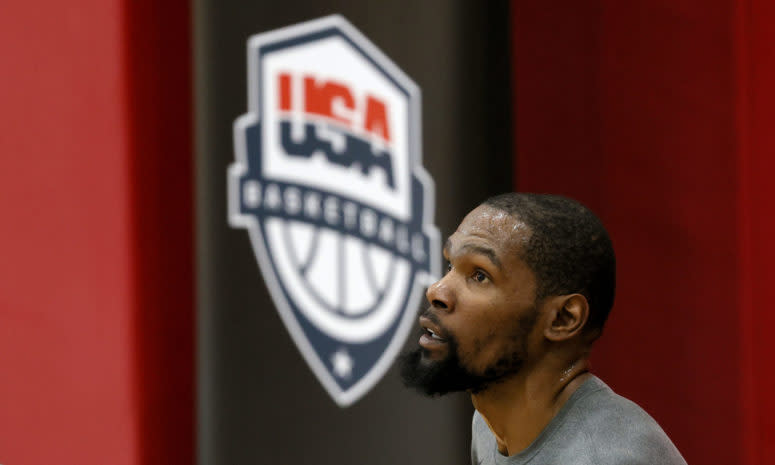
482 311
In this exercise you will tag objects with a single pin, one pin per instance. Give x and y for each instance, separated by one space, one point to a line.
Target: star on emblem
343 363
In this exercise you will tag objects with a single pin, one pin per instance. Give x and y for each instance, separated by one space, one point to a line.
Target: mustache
429 314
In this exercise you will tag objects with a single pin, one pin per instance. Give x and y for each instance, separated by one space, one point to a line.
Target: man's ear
568 314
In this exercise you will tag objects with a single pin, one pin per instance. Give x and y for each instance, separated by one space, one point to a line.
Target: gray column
258 402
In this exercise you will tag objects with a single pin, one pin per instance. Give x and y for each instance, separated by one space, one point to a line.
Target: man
529 285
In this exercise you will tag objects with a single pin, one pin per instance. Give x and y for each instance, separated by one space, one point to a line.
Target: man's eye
480 277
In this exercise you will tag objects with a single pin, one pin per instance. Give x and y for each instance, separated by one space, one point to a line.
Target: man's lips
432 335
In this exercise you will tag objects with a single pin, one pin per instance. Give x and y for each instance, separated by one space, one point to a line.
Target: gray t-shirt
594 427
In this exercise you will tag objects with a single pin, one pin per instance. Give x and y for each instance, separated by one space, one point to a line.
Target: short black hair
568 249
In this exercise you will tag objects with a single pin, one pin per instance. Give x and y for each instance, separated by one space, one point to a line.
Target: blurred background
135 327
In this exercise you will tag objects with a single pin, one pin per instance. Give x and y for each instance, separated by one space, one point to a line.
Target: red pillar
755 63
96 307
658 114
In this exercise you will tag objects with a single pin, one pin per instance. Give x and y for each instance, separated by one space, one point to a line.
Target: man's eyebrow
482 250
477 249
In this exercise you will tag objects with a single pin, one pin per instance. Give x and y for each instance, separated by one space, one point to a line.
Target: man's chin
420 371
433 374
431 357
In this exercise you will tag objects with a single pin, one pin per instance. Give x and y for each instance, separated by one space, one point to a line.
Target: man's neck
518 408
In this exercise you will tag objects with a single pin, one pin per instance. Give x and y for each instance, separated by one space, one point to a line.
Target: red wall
96 308
755 55
657 115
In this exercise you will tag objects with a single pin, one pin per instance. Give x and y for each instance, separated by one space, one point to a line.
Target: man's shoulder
483 443
601 411
614 429
596 426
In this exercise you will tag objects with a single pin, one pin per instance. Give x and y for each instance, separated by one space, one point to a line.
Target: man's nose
440 295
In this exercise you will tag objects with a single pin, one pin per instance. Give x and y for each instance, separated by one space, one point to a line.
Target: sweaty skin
482 300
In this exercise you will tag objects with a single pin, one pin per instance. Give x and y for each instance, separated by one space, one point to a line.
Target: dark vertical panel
258 401
158 62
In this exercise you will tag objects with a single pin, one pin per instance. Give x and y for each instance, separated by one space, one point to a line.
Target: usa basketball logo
329 184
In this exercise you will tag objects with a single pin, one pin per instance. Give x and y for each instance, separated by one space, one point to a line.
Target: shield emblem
328 182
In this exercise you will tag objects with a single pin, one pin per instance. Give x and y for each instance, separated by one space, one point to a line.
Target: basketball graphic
328 183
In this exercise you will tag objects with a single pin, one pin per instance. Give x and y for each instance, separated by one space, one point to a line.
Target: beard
439 377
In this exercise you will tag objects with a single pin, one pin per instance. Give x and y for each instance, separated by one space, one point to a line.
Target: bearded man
528 288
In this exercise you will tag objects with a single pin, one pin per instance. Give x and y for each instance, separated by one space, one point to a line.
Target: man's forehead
493 222
490 226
